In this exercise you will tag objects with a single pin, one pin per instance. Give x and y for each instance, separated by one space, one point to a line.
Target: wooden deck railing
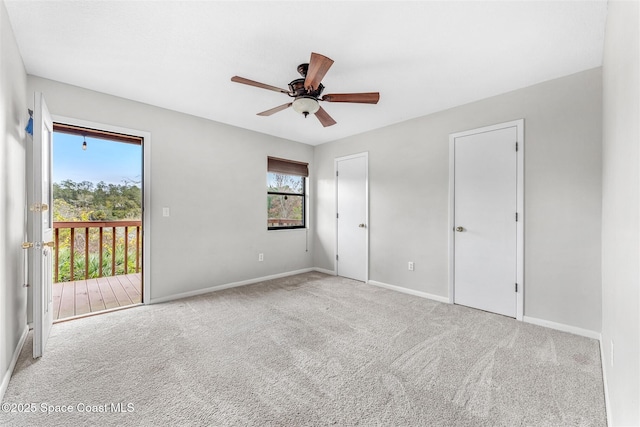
81 240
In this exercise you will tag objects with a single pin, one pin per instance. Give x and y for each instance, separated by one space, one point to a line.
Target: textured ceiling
422 56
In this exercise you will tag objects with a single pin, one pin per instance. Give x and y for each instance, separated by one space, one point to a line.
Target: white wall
621 212
13 119
213 178
408 170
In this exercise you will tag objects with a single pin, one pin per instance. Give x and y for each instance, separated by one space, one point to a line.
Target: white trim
12 365
227 286
324 270
521 217
607 406
146 190
562 327
519 125
364 154
450 232
409 291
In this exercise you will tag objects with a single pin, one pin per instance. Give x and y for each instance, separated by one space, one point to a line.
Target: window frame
302 195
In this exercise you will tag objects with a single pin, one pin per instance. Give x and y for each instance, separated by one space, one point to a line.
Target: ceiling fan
307 91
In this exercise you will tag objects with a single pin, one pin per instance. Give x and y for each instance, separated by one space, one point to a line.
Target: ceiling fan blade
257 84
275 109
318 67
361 98
325 118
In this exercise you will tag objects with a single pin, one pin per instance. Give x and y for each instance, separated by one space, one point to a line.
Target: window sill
288 229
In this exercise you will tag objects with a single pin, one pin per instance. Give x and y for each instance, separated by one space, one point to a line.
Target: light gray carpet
310 350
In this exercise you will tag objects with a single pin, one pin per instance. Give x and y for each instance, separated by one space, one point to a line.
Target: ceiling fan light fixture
306 105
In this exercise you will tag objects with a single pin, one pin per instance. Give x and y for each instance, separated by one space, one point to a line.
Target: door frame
519 125
366 202
146 190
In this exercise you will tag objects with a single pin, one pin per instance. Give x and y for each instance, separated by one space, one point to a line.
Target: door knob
361 225
459 229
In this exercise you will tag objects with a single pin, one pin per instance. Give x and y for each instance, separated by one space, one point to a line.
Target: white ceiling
422 56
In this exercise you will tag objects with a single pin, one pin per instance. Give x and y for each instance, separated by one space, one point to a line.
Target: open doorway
97 219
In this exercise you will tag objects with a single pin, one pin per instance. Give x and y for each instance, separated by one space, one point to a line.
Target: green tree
85 200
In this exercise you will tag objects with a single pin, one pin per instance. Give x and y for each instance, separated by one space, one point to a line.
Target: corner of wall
13 119
621 213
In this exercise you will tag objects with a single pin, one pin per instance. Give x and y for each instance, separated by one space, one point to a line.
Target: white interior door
40 224
485 219
352 217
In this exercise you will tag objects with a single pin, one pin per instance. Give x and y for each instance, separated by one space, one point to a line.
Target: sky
108 161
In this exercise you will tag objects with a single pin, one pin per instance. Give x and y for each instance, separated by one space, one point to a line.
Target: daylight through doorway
97 218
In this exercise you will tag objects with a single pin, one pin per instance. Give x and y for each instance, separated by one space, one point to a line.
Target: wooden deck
93 295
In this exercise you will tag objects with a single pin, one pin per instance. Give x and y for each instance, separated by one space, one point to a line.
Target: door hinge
336 173
336 257
516 216
516 146
516 287
337 215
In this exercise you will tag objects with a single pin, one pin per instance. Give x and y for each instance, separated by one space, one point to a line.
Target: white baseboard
562 327
410 291
324 270
607 407
12 365
227 286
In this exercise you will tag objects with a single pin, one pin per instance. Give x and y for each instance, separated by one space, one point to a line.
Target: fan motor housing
297 89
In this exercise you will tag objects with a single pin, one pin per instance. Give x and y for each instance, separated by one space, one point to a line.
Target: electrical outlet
411 266
165 212
260 257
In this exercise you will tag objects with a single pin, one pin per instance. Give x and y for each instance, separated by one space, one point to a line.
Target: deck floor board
82 298
93 295
118 291
132 292
67 300
110 300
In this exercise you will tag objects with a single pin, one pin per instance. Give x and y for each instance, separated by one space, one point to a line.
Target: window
286 184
